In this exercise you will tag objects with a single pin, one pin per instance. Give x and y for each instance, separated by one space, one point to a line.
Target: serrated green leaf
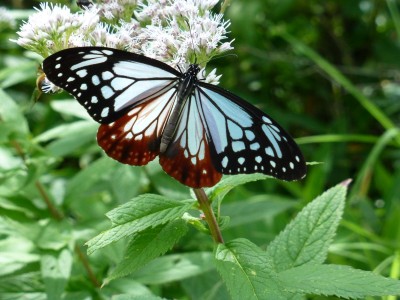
56 269
342 281
247 271
149 244
307 238
174 267
145 211
219 191
257 208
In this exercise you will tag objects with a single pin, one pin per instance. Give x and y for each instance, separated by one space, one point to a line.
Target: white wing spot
273 164
70 79
194 160
224 162
291 165
60 74
284 169
57 66
58 58
255 146
235 131
79 94
82 73
121 83
266 120
201 151
108 52
269 151
94 99
128 136
255 168
83 87
95 80
104 112
238 146
258 159
250 135
297 158
186 153
241 160
107 75
107 92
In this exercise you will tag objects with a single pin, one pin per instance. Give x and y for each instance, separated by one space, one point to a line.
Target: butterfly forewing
245 139
109 82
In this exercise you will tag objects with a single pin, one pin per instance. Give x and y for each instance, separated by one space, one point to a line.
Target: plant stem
209 215
86 265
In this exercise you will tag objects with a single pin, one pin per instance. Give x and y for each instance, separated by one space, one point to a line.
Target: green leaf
147 245
56 269
21 285
257 208
342 281
219 191
206 286
307 238
174 267
72 108
247 271
145 211
65 130
86 178
136 297
12 119
73 138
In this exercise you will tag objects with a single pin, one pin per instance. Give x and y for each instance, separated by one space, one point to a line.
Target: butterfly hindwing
135 137
109 82
245 139
188 156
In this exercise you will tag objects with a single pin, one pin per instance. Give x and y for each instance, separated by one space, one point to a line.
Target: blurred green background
327 71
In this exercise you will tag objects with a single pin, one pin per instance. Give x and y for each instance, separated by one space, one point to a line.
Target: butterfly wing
188 156
245 140
109 82
135 137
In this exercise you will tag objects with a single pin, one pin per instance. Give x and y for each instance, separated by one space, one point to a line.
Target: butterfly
147 108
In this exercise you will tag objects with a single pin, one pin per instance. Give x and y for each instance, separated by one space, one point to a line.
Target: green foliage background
328 71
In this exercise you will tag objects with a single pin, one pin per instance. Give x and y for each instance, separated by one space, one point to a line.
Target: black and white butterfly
147 109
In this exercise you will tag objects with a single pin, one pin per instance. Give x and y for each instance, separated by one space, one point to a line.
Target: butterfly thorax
185 88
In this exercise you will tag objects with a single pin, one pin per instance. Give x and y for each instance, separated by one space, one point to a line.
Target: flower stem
209 215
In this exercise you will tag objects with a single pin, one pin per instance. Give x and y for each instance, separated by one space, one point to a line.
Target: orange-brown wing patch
134 139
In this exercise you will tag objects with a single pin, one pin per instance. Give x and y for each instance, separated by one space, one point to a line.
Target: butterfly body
147 109
184 90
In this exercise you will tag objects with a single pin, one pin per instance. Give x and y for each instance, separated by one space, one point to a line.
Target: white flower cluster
6 19
177 32
53 28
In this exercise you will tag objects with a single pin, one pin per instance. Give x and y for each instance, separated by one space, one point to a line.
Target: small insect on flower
147 108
